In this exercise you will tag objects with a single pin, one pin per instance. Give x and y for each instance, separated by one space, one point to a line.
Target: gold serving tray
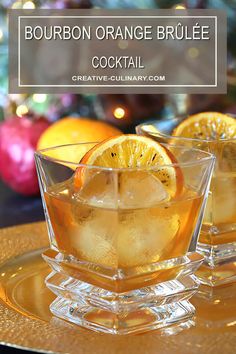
25 320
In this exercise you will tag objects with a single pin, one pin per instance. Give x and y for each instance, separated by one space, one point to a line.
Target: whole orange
72 130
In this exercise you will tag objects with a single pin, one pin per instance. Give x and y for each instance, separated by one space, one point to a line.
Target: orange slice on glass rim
134 152
207 126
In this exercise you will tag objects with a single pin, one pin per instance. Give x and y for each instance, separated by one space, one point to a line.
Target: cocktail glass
122 246
217 241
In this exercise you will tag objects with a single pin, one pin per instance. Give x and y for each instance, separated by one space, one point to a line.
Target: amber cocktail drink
123 239
215 133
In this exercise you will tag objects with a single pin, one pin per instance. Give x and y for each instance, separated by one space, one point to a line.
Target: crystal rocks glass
217 241
122 247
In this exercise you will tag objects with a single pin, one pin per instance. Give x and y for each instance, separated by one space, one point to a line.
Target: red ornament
18 140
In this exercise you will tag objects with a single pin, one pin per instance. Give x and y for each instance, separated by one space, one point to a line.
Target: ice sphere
140 189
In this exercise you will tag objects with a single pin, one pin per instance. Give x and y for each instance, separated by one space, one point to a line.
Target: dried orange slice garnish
207 126
134 151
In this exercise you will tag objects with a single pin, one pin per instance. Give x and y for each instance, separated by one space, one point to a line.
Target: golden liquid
219 224
119 237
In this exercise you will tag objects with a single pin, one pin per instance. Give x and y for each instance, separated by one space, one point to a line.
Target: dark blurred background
19 114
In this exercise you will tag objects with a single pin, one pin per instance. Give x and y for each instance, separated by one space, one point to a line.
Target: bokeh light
180 7
17 5
119 112
21 110
39 97
29 5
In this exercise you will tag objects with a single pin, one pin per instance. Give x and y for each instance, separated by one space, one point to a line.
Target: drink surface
121 236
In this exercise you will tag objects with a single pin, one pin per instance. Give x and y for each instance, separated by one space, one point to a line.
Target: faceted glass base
179 315
163 306
219 266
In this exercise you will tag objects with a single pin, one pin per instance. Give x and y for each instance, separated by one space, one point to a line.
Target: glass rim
194 162
180 118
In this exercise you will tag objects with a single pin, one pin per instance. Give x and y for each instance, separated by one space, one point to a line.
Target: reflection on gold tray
25 320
